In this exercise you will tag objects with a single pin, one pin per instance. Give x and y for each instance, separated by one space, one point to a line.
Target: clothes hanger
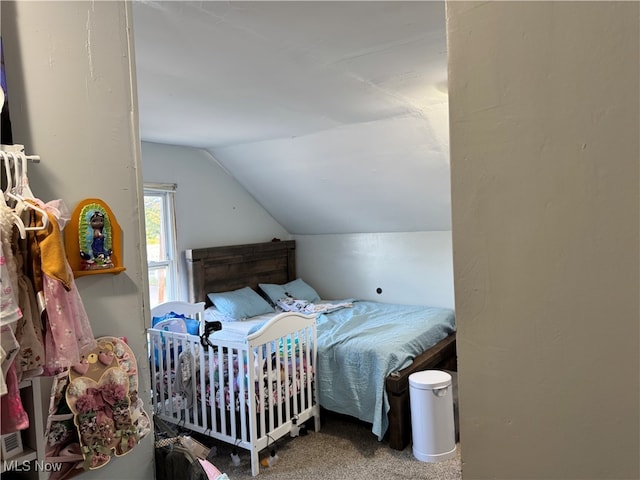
17 166
21 203
23 181
16 218
17 162
17 221
6 162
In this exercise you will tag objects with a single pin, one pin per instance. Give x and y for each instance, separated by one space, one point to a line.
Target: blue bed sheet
359 346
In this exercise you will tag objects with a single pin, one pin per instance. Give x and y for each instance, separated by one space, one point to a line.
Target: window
162 258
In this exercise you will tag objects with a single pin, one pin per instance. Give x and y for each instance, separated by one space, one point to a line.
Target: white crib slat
163 388
212 394
255 405
307 352
155 378
187 347
168 351
184 346
290 376
303 360
311 363
202 378
259 383
220 397
251 384
297 373
307 377
289 371
175 363
233 354
269 392
304 369
274 387
276 413
178 345
195 361
244 408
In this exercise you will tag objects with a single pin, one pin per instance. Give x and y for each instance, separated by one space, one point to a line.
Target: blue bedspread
360 345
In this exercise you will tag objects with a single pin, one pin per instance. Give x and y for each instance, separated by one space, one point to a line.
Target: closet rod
17 148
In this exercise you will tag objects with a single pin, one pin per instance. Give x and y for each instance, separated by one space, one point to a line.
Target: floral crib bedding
286 377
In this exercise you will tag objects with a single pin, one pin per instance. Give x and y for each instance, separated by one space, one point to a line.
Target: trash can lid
429 379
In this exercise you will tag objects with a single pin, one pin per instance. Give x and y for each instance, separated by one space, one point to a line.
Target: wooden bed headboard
222 269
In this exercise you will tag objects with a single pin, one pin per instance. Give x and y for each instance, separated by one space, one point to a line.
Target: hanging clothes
10 311
14 416
67 329
31 357
44 325
9 348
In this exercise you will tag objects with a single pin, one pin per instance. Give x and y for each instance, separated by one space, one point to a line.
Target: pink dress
68 330
14 417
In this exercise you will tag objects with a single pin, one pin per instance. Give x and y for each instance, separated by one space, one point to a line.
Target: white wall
212 209
414 268
544 111
72 102
388 175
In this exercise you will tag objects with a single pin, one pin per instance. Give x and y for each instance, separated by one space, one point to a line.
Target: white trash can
432 423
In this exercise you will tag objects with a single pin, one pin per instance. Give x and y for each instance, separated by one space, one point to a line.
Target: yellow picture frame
93 239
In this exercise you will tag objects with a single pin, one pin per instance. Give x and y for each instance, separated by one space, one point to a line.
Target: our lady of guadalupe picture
93 239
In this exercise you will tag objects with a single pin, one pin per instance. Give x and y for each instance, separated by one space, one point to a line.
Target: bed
244 388
227 268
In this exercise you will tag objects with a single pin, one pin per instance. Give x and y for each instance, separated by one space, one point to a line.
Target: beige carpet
342 449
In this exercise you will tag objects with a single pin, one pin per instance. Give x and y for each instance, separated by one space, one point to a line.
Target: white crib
246 392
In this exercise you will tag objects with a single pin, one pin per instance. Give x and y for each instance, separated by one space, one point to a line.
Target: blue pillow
240 304
297 289
193 325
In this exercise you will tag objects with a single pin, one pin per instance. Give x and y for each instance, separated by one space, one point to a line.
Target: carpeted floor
342 449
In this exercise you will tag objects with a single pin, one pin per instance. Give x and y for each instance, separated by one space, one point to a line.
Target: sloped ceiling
333 115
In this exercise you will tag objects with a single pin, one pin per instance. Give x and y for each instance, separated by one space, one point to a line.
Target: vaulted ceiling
333 115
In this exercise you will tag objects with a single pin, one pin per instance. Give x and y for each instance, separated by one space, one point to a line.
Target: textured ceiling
333 115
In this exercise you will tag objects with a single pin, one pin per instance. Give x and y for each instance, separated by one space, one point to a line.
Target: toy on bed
245 389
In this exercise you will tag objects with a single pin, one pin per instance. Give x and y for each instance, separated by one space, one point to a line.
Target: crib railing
243 393
288 387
